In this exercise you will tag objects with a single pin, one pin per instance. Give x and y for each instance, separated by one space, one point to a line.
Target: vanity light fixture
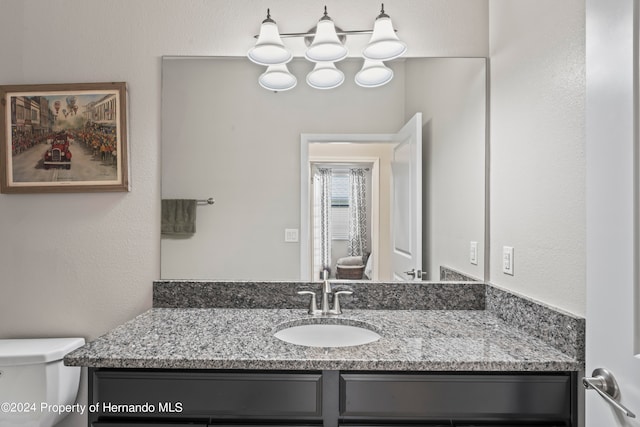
384 44
269 49
374 74
325 75
325 47
278 78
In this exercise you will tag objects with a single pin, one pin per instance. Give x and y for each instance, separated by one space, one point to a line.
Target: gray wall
538 149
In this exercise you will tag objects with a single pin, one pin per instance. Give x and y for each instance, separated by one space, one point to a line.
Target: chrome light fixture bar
326 47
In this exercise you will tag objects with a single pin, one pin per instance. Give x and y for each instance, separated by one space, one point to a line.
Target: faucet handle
336 301
313 305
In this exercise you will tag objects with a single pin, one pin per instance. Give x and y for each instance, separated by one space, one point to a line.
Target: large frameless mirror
225 137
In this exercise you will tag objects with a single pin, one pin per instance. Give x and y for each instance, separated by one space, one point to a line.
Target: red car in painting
58 154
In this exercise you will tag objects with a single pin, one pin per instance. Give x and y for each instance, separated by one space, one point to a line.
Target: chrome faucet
324 305
326 291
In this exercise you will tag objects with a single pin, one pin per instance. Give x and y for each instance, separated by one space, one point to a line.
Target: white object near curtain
357 212
322 220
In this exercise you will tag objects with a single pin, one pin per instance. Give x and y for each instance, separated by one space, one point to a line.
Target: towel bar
209 201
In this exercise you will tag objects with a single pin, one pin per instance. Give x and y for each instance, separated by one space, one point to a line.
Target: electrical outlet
291 235
473 253
507 260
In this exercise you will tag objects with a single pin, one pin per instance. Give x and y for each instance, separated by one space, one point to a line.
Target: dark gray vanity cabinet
198 398
202 396
153 424
452 396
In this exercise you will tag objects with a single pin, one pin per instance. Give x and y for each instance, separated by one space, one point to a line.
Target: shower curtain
357 212
322 184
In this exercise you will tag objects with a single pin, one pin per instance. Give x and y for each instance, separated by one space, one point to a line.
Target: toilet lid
39 350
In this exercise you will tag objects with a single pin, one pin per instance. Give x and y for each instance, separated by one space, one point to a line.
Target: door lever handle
413 273
604 383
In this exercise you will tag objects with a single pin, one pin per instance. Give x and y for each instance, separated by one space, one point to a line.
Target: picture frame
63 138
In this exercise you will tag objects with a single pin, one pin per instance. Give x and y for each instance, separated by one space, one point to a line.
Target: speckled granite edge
416 340
559 329
344 365
449 274
366 295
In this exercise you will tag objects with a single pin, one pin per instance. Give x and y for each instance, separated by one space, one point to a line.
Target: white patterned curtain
357 212
322 183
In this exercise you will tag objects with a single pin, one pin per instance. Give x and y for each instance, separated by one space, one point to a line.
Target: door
406 202
613 293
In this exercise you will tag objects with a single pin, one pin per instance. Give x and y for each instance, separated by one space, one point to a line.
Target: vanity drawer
127 424
195 394
468 396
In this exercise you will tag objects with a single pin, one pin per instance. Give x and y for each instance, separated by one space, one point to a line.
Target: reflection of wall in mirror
453 104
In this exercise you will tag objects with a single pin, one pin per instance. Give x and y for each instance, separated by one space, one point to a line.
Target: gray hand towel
178 216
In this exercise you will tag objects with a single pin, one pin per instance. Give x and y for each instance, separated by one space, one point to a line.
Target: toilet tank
33 380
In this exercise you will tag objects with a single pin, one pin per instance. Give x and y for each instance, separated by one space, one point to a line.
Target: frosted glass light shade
326 46
269 49
277 78
374 74
325 75
384 44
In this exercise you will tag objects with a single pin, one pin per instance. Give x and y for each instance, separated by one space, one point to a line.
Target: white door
406 202
613 292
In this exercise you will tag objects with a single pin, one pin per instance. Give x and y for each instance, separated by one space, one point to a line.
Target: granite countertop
226 338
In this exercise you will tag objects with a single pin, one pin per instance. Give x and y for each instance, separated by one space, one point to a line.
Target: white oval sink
327 334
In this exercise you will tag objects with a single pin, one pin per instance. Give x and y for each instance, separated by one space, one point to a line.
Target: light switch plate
291 235
473 253
507 260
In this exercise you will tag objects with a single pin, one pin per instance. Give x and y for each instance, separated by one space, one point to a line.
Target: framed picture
63 138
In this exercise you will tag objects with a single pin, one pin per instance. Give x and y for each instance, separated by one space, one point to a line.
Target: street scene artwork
64 138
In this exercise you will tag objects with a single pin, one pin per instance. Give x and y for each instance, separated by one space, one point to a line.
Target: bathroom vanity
331 398
223 366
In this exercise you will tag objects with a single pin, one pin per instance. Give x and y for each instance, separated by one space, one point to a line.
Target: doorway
344 217
396 244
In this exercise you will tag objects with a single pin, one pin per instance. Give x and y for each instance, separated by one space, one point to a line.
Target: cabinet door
170 424
421 424
208 394
128 424
510 425
539 398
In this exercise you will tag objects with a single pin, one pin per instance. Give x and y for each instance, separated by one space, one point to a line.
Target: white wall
537 148
92 268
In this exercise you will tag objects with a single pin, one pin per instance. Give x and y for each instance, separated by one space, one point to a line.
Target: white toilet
33 376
